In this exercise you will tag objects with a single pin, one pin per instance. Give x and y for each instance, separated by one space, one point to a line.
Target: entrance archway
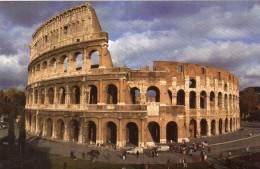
60 129
132 133
93 94
154 130
111 133
220 126
226 125
213 127
40 125
203 127
49 128
172 131
92 130
193 128
111 94
74 128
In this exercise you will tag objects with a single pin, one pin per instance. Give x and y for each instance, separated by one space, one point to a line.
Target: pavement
236 142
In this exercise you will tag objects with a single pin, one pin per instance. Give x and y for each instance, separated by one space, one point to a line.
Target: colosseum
75 93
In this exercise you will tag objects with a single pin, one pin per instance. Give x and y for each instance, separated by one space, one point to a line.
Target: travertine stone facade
70 98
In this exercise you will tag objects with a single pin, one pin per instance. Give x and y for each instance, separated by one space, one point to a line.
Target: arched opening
38 69
172 131
203 100
154 130
36 97
44 67
226 125
192 99
219 99
53 65
170 96
226 101
212 99
92 130
132 133
49 128
220 126
33 121
181 97
153 94
193 128
230 102
40 125
135 95
111 94
203 127
74 128
62 95
231 127
60 129
192 83
93 94
42 96
213 127
111 133
78 61
64 62
51 95
75 95
94 59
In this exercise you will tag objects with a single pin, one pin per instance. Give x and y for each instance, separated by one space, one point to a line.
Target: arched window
51 95
153 94
219 99
135 95
42 97
181 97
212 99
170 96
53 65
132 133
203 127
111 133
44 67
78 61
62 95
75 95
64 62
111 94
203 100
192 99
36 97
94 59
154 129
192 83
93 94
226 101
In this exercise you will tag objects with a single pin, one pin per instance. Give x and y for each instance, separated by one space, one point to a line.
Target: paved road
235 142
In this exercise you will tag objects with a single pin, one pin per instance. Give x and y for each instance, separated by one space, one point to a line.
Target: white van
163 148
134 150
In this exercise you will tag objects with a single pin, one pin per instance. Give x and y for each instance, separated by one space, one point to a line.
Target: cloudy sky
219 34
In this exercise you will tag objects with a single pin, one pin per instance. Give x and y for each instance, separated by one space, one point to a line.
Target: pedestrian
71 154
153 154
247 149
180 161
83 154
191 152
185 163
137 154
168 164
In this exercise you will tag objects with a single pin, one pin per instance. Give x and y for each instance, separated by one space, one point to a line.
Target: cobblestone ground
235 142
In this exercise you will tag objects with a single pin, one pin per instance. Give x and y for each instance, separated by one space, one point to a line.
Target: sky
219 34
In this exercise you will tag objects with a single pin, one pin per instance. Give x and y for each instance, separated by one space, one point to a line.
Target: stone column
142 139
66 131
100 92
44 128
119 134
99 132
163 133
121 91
81 130
46 99
174 97
68 100
209 127
198 100
228 124
187 100
198 127
33 100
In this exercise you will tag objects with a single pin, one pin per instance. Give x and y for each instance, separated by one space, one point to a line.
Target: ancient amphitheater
70 98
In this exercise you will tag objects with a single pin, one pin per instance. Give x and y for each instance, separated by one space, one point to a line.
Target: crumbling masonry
70 98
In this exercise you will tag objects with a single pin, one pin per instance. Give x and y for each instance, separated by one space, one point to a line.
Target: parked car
163 148
134 150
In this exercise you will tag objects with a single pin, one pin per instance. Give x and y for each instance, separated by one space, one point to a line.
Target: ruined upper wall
74 25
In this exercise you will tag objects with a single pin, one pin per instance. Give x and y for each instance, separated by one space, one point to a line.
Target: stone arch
220 126
49 127
40 125
93 94
172 131
192 99
203 127
170 95
44 66
53 65
230 102
231 123
51 96
225 101
64 63
112 94
78 59
219 99
33 121
153 93
154 129
203 99
226 125
111 132
91 131
132 133
60 129
192 83
234 124
212 99
75 97
62 95
95 59
213 127
36 93
181 97
135 95
193 128
74 129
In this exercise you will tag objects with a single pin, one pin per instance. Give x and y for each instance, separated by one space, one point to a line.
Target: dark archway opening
226 125
181 97
93 94
231 124
213 127
62 95
193 128
220 126
42 96
153 94
172 131
170 96
40 126
76 95
74 128
111 94
49 128
154 130
135 95
219 100
94 59
111 133
92 130
192 99
203 127
60 129
192 83
203 100
212 99
132 133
